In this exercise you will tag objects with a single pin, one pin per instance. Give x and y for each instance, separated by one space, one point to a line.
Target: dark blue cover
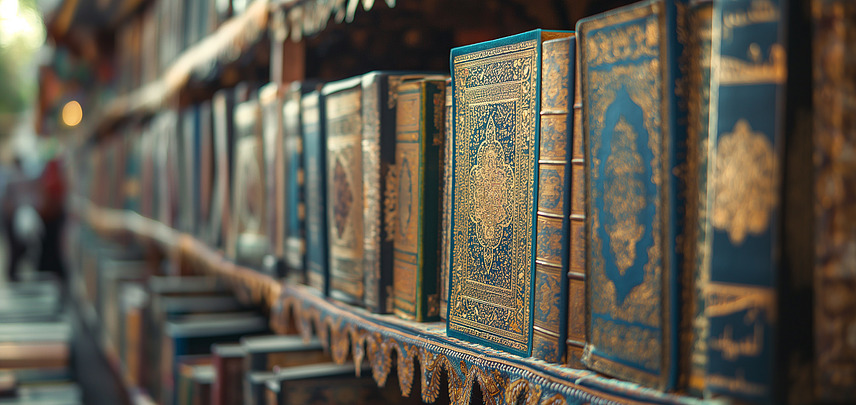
635 138
315 168
760 163
496 99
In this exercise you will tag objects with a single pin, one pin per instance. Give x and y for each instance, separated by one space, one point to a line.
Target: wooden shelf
350 332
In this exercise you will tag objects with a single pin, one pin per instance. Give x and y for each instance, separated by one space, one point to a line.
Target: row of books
647 197
188 340
35 346
152 39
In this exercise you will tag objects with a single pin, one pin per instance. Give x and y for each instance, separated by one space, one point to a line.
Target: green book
418 142
496 101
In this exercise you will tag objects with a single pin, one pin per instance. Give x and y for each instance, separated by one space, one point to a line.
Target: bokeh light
72 113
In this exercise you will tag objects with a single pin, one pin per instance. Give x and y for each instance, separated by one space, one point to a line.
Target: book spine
294 228
345 194
249 223
378 149
835 282
551 257
446 216
576 335
270 103
223 127
698 114
759 180
315 164
414 207
635 137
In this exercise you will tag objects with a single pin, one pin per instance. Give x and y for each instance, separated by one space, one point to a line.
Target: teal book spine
759 300
446 219
549 329
576 334
415 200
697 249
496 101
632 69
294 236
315 167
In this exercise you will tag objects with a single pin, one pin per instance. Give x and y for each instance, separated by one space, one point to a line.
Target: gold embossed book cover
496 102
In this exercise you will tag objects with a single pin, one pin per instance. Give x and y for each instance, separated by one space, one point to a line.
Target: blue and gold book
315 168
576 334
758 300
631 64
496 101
446 215
549 330
414 199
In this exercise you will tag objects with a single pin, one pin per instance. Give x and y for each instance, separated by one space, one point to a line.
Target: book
697 249
228 362
270 103
222 109
330 383
133 299
378 149
249 219
294 238
266 353
131 180
343 121
496 98
167 133
315 169
834 89
576 335
635 139
190 336
758 299
446 218
552 242
255 386
188 174
413 200
207 229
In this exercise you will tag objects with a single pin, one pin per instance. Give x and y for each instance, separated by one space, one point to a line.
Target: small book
249 220
194 380
635 137
270 103
496 100
222 111
266 353
446 219
315 170
228 362
413 201
206 176
188 173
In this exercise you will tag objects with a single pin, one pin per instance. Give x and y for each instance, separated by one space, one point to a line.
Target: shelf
352 332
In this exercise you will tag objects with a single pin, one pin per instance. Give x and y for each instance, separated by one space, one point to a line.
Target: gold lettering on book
749 346
738 71
744 183
760 12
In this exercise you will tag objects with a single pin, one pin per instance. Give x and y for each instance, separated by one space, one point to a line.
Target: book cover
343 121
315 168
222 106
835 174
576 334
294 238
758 299
228 362
329 383
446 219
412 192
697 248
249 219
188 174
496 99
270 104
552 244
263 353
379 102
635 139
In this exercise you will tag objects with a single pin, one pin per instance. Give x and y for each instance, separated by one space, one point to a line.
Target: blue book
635 139
758 299
315 168
496 101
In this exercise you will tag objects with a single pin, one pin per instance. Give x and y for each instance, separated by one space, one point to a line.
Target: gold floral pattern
744 183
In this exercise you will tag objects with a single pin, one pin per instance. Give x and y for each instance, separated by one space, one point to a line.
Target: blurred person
52 189
17 193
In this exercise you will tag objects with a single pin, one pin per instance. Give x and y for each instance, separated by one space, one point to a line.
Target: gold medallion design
491 181
625 170
744 183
